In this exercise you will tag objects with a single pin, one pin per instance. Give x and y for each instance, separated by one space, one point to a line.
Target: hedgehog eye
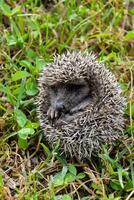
74 87
53 88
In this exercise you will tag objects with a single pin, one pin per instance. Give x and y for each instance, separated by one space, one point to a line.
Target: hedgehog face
64 97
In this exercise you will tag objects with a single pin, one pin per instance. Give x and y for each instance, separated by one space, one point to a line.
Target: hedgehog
79 105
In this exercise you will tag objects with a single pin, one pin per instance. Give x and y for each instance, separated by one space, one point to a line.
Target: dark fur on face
65 97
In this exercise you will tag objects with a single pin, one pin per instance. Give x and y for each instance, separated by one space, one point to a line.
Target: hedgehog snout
59 105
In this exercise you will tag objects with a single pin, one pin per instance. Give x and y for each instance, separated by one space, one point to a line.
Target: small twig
130 195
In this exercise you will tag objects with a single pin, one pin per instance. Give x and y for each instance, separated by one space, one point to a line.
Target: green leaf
66 197
132 171
23 144
31 87
115 185
25 132
34 25
20 118
74 16
21 92
46 150
69 178
31 54
5 8
131 11
32 125
129 185
106 157
72 169
130 109
1 181
129 35
111 197
11 39
120 177
23 136
6 90
19 75
64 171
124 86
129 129
57 197
16 10
81 176
25 63
17 33
40 64
117 18
58 180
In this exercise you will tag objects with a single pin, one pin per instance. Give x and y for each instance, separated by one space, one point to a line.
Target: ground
31 32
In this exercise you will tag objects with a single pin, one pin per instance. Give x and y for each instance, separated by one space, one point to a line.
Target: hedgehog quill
79 104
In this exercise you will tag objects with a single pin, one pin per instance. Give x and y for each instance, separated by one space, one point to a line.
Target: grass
31 32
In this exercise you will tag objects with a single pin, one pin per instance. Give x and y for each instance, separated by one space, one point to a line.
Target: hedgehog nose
60 105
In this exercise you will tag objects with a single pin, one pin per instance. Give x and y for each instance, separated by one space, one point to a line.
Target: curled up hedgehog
79 105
